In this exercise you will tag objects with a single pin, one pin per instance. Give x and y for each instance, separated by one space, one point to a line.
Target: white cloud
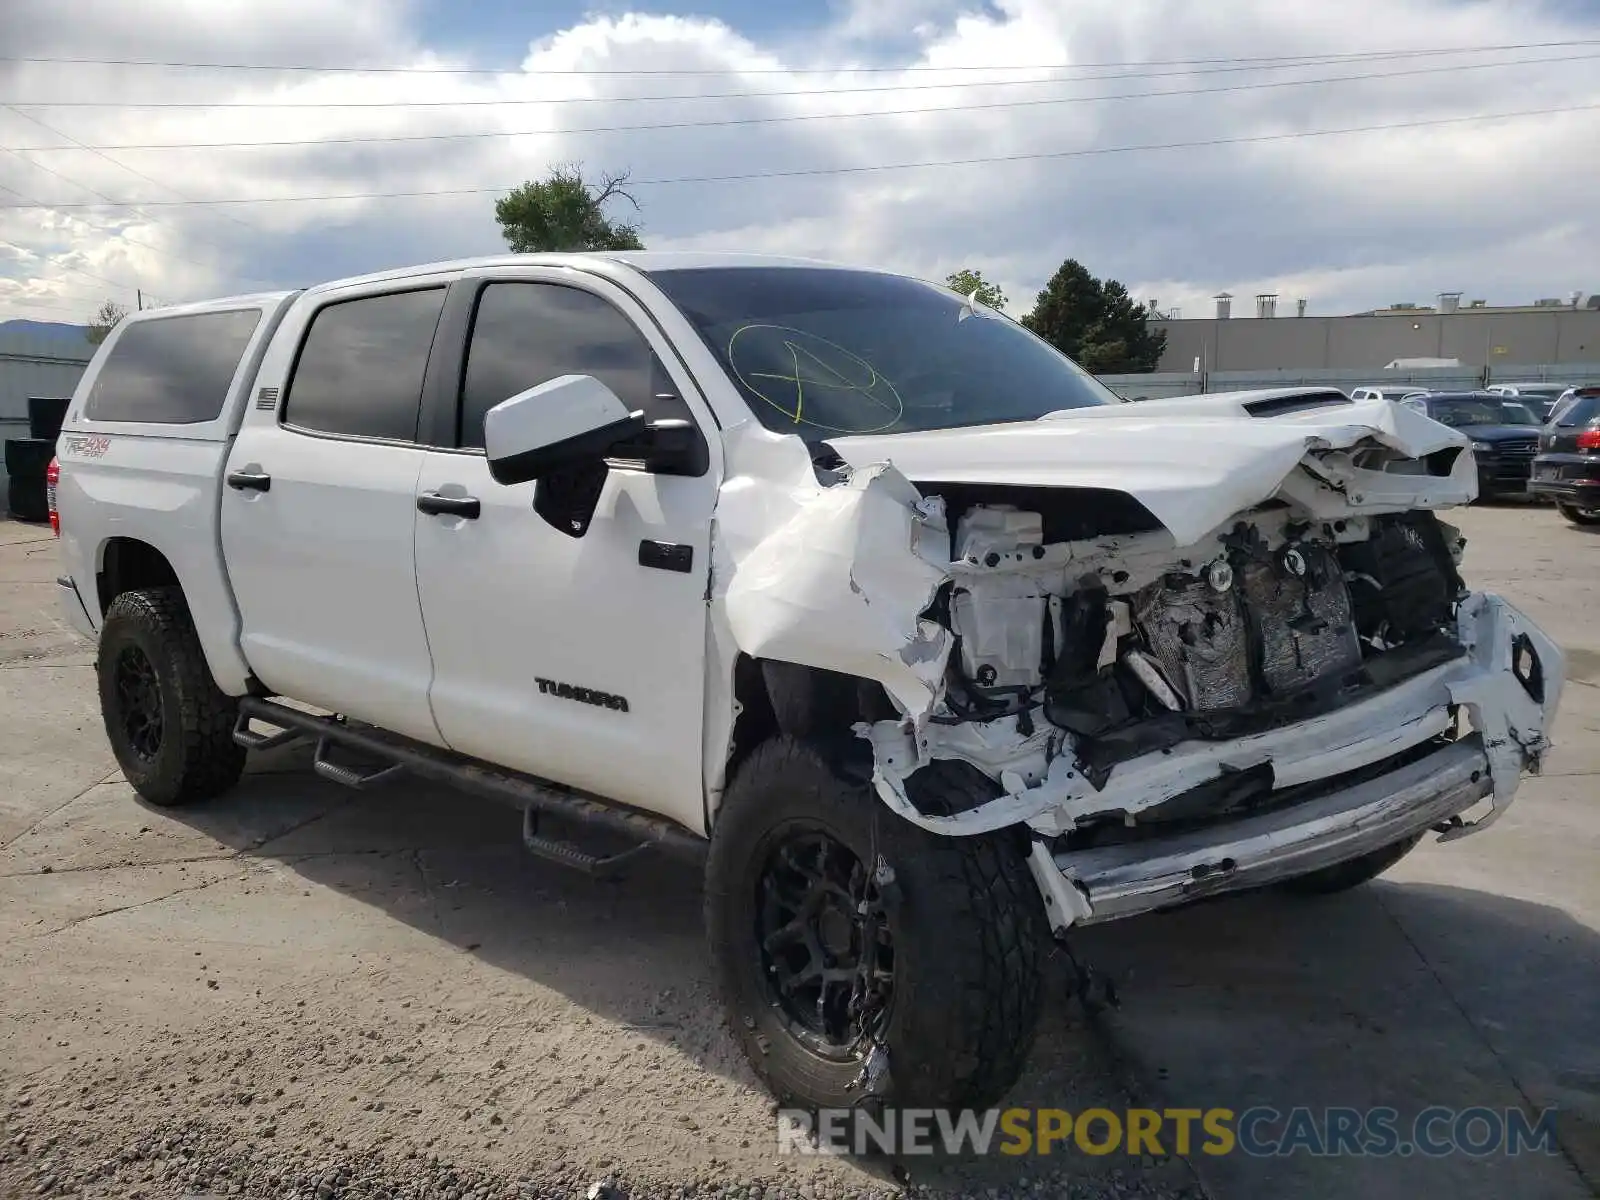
1503 209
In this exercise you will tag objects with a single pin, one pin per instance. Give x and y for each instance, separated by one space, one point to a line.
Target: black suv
1568 466
1504 433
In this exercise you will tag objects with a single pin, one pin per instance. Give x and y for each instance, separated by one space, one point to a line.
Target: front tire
954 966
169 725
1577 515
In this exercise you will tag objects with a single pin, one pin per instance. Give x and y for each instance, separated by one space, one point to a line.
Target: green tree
967 281
565 213
105 319
1095 323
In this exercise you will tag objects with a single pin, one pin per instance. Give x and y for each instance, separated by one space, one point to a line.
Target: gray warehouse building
36 362
1551 332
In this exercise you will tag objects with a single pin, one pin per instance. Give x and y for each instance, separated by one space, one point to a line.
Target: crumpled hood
1193 461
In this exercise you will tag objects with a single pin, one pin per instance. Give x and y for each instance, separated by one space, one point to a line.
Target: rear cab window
171 371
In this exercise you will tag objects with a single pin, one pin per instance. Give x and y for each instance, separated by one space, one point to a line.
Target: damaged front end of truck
1194 646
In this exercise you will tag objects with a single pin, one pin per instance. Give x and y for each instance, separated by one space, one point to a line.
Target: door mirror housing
666 446
559 425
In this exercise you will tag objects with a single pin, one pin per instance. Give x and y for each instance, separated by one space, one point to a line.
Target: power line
7 297
680 96
30 202
795 117
11 300
135 205
120 234
140 174
872 168
714 71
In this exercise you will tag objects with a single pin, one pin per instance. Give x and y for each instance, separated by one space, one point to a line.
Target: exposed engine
1267 623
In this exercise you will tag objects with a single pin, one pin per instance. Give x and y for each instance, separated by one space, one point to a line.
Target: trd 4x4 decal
87 446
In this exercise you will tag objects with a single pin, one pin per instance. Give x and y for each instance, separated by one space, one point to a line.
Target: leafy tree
565 213
1095 323
966 281
105 319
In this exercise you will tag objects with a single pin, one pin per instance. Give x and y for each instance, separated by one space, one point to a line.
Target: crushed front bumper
1509 685
1138 877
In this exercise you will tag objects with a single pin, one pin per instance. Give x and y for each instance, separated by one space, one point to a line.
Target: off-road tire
1341 877
1577 515
197 757
965 919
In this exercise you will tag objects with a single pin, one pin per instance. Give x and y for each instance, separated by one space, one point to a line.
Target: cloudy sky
814 103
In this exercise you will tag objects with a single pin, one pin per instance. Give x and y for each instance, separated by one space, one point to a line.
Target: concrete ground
300 974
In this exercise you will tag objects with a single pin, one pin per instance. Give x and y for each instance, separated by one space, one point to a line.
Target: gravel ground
44 1155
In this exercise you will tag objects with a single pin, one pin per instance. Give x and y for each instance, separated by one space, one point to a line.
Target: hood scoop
1281 406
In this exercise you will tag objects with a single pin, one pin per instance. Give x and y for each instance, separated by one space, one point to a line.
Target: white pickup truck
925 642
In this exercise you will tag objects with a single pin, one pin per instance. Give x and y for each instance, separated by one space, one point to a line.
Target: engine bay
1102 634
1116 646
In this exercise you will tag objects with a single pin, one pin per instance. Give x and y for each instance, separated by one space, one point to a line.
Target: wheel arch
810 704
128 562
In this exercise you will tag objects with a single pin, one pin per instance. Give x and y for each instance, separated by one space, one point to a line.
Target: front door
580 659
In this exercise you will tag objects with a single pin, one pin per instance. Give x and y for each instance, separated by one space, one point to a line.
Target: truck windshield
819 351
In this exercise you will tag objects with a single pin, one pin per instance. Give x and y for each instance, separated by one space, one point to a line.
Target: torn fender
834 577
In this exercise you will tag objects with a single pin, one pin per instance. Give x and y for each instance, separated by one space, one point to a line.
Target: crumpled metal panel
1199 639
1305 624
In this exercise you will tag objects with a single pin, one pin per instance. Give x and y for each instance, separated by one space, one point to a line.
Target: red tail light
52 477
1589 439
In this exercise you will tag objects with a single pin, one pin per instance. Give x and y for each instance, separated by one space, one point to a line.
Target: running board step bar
347 776
596 866
534 797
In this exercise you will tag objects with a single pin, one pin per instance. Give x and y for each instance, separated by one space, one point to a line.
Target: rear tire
1579 516
1341 877
964 932
169 725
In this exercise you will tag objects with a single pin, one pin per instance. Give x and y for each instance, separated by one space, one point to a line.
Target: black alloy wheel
139 707
827 956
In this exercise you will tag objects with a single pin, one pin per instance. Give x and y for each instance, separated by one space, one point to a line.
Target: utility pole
138 294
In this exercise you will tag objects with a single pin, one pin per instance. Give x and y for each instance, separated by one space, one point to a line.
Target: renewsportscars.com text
1260 1131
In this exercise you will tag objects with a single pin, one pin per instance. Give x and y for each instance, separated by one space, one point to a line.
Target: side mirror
556 426
668 446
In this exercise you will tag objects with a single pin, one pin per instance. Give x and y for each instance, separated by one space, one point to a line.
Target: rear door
318 511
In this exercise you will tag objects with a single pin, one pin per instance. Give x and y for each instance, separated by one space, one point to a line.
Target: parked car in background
1504 434
1388 391
1567 468
1540 397
1566 400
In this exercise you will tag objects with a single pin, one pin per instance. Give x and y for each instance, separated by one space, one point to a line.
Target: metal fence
1155 386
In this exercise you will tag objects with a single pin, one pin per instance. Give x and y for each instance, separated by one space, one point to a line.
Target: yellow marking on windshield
812 368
